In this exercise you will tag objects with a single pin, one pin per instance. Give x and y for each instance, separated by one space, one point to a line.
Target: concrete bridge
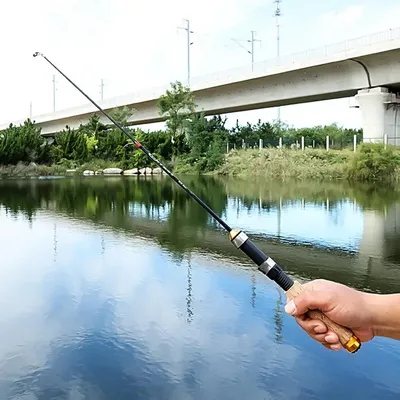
367 68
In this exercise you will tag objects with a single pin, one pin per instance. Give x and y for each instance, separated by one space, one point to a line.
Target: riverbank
23 170
370 163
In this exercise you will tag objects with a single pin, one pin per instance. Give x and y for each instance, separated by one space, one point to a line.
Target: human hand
343 305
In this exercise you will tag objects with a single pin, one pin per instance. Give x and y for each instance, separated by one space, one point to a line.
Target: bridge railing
307 55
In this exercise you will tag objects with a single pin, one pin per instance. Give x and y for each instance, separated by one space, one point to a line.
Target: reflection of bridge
308 262
381 233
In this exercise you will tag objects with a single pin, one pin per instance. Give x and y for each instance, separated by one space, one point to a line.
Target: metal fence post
327 142
302 142
355 143
385 139
280 142
261 144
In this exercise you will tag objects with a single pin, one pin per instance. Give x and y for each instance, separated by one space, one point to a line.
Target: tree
177 106
23 143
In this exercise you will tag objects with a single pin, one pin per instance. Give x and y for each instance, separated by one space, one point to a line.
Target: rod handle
346 337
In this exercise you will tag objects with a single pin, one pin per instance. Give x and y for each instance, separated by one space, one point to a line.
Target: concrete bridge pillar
380 112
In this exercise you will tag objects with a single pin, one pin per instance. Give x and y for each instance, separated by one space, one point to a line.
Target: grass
284 164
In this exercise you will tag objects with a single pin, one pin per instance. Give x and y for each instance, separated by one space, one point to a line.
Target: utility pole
251 52
54 93
278 14
189 43
252 48
30 111
101 89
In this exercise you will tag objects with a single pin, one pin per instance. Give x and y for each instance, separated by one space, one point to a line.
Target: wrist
381 311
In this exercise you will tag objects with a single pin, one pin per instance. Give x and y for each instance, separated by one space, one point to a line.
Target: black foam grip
249 248
280 277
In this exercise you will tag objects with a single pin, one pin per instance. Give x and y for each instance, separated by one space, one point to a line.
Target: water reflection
119 293
304 225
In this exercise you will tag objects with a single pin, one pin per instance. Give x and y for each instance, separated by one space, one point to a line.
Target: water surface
123 288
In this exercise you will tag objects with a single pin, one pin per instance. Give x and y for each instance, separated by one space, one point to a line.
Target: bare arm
385 310
367 315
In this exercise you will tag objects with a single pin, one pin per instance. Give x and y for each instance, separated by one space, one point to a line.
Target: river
124 288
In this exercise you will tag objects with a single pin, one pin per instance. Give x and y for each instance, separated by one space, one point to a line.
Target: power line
189 43
252 51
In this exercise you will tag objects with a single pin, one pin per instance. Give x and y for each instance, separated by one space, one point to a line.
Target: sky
134 45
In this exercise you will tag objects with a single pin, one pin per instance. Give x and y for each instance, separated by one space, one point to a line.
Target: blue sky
134 45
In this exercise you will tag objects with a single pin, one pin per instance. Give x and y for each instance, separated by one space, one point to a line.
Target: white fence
300 145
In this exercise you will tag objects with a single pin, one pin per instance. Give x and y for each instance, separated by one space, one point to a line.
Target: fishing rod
265 264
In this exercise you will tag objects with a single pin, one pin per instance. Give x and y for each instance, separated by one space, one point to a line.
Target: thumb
309 300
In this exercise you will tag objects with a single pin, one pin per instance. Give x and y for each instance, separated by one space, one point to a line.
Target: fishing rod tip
37 54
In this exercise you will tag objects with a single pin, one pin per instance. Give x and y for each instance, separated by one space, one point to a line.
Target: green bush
23 143
373 162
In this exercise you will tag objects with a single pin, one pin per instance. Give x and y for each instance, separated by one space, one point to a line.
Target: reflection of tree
120 201
55 242
253 288
123 198
189 291
278 319
371 196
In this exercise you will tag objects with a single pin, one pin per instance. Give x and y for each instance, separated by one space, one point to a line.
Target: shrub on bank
372 162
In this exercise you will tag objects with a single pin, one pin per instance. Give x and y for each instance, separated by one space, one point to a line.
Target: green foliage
177 106
91 143
194 143
23 144
316 136
207 140
373 162
251 134
70 145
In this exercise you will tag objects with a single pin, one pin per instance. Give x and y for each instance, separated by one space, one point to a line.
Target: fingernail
330 339
336 347
290 307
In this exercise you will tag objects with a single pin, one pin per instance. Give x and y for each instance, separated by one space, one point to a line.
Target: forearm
385 315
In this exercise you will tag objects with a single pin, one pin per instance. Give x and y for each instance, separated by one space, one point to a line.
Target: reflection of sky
137 209
103 315
341 227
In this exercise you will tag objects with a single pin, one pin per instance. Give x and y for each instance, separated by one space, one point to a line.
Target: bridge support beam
380 112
